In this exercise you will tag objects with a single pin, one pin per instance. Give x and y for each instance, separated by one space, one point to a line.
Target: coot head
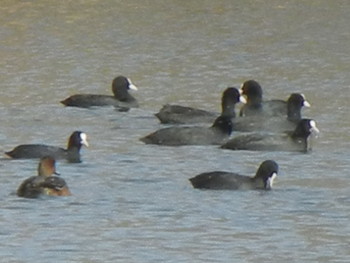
252 90
77 139
121 86
298 99
303 133
230 97
294 104
267 171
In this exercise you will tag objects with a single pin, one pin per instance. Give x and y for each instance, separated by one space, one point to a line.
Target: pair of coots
216 134
273 115
298 140
121 98
256 105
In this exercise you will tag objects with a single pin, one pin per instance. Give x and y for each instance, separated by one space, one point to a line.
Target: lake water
133 202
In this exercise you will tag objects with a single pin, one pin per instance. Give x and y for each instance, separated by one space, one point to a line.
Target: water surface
133 202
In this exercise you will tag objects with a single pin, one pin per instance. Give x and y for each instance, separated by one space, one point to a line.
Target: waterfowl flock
259 125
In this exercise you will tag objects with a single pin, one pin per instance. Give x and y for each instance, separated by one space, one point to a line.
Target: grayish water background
133 202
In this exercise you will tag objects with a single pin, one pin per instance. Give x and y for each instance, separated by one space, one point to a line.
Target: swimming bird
44 183
253 91
256 106
192 135
219 180
71 154
293 106
121 99
177 114
298 140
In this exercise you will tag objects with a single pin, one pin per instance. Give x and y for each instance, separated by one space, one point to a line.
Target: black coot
298 140
218 133
177 114
72 153
219 180
121 99
256 106
292 107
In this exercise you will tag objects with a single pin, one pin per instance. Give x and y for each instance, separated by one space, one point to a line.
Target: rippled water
133 202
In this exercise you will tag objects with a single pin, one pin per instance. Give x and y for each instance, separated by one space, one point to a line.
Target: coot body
177 114
219 180
288 122
218 133
121 99
298 140
256 106
71 154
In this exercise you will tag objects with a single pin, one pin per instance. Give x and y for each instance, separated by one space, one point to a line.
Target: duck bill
84 140
306 104
242 99
241 88
85 143
269 181
132 86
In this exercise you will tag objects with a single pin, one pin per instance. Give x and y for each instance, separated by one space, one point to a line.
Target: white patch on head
305 103
83 138
269 182
313 126
132 86
242 99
